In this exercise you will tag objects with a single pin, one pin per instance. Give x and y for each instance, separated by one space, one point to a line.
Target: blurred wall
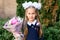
7 8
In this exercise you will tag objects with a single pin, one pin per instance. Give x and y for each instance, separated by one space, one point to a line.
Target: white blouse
29 23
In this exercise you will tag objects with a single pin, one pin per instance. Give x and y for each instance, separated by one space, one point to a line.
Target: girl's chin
31 20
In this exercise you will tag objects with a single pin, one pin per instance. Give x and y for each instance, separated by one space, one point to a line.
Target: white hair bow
28 4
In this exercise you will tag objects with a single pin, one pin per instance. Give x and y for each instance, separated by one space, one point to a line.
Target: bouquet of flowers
14 26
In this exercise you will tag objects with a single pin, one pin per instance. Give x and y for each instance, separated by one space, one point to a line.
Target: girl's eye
33 13
28 13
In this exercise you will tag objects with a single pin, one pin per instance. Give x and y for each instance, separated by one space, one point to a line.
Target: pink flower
14 21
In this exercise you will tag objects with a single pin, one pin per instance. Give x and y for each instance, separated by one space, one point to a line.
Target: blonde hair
25 24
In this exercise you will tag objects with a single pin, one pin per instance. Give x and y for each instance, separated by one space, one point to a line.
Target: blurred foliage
4 34
52 32
49 15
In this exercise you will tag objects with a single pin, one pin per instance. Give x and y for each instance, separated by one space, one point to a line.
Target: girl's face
31 14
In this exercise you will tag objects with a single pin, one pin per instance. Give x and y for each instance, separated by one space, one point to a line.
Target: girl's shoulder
37 23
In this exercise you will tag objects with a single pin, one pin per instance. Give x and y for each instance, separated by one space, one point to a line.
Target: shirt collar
32 22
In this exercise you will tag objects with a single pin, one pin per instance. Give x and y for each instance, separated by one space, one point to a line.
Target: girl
32 26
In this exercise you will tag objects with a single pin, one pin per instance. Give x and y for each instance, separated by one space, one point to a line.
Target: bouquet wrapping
14 26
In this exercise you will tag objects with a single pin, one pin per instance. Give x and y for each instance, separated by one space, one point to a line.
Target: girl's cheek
27 15
34 15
